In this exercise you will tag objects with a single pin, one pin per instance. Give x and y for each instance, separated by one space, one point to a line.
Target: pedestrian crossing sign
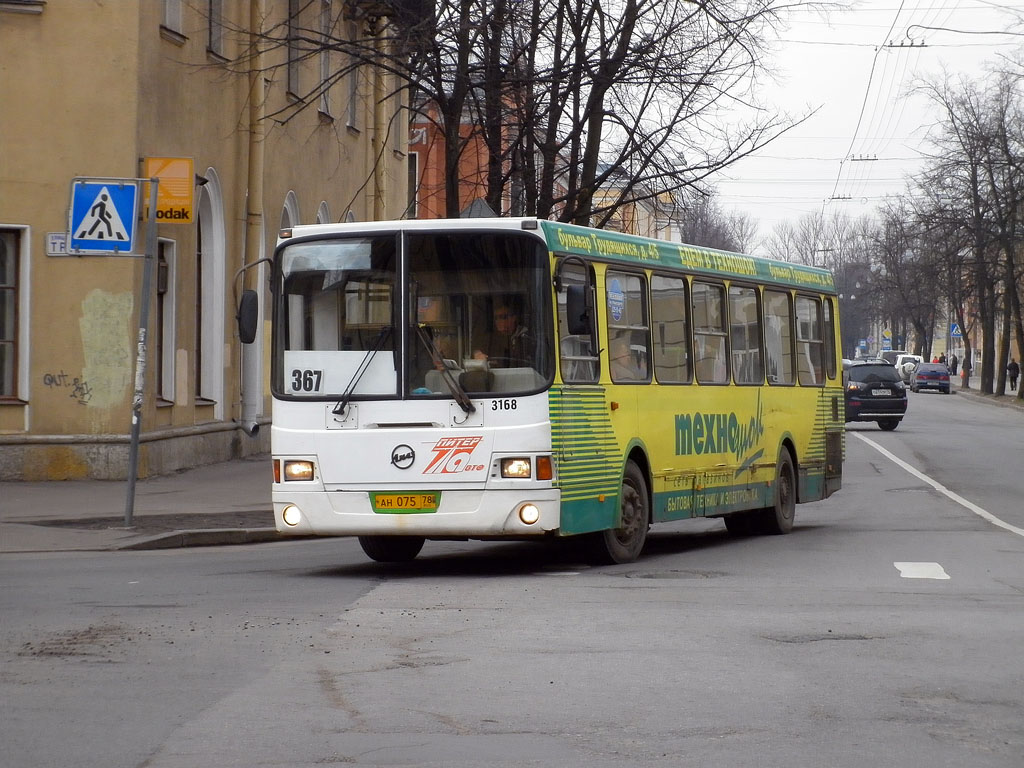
102 217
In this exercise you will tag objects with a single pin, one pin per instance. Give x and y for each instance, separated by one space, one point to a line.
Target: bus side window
745 329
709 335
809 342
577 352
628 331
671 326
778 338
830 338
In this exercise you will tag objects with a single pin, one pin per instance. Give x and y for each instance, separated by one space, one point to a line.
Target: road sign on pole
101 219
954 331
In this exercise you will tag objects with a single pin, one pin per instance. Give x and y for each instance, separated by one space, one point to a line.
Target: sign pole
140 361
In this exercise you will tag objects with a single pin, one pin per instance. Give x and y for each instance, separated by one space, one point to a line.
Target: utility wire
863 106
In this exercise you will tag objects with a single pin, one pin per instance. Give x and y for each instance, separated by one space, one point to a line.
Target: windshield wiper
453 386
341 405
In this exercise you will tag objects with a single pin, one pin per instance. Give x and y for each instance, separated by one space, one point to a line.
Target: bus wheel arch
624 543
778 518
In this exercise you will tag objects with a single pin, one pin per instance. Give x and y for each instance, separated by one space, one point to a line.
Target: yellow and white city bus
521 378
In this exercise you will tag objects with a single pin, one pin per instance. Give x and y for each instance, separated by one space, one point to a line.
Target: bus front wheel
778 518
624 544
391 549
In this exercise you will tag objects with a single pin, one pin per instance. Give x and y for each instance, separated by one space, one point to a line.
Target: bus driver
509 344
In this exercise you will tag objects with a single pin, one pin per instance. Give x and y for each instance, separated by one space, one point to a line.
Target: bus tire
391 549
623 544
778 518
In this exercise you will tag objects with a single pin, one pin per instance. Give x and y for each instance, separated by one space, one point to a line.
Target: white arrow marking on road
941 488
921 571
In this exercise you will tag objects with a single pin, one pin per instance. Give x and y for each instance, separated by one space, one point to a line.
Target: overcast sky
866 136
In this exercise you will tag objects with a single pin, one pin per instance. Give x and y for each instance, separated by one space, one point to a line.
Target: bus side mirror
248 316
579 310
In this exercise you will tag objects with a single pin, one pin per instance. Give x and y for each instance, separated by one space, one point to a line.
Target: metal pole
140 360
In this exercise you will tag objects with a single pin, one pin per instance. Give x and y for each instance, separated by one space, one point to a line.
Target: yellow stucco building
93 89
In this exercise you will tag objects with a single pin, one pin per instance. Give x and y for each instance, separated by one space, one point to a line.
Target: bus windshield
465 313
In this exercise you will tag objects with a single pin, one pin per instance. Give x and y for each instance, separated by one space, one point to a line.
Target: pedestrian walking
1013 369
952 364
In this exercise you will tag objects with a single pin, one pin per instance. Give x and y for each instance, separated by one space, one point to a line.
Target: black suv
874 392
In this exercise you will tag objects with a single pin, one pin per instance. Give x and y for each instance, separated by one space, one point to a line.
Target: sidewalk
227 503
1008 400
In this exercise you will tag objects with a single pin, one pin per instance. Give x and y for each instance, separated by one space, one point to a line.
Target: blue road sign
102 216
954 331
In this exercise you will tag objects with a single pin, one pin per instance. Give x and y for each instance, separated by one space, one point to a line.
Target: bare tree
701 221
568 95
979 164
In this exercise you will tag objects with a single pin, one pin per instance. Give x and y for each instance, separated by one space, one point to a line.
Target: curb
1002 401
208 537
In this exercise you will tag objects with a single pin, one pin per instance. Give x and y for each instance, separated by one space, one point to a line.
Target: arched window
208 357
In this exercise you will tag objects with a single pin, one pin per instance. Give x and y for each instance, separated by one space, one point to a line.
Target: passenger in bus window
509 344
623 362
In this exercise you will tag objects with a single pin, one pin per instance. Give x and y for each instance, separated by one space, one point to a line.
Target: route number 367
306 381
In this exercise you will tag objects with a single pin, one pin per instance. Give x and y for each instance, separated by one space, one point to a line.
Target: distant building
92 89
428 195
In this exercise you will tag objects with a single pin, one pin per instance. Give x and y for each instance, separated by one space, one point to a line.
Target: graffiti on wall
80 389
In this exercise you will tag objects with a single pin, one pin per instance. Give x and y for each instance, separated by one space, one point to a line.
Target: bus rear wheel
624 544
778 518
391 549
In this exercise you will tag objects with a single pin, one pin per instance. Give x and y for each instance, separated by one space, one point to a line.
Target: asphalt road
885 630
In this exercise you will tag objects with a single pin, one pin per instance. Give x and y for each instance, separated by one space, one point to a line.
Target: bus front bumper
459 513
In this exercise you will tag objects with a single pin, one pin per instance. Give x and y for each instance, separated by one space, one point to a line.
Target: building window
200 300
10 254
215 38
172 15
294 56
326 27
210 300
352 111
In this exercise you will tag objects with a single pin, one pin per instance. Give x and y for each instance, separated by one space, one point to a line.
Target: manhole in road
676 574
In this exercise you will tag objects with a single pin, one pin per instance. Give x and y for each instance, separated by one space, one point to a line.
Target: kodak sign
174 193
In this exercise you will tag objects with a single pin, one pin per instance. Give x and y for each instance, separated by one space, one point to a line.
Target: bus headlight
529 513
291 515
298 470
515 468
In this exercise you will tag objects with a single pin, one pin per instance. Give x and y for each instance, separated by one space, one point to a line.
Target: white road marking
941 488
921 571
